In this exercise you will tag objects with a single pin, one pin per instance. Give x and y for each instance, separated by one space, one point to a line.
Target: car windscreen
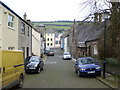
66 53
34 59
86 61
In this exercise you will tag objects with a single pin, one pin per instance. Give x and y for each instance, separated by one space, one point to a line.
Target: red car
50 53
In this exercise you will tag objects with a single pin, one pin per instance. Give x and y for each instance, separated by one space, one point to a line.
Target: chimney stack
98 17
25 16
95 17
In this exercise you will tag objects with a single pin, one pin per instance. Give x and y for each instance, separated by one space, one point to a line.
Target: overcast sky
46 10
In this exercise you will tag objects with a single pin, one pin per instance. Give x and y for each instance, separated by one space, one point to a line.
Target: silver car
66 55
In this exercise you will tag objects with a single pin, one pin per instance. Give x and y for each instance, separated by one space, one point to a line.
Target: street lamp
106 15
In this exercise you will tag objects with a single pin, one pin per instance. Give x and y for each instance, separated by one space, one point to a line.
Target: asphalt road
59 73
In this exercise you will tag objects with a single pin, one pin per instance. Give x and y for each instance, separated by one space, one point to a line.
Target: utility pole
75 51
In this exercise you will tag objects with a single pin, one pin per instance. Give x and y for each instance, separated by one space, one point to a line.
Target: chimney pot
25 16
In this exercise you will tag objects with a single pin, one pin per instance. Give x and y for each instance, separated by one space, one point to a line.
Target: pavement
110 80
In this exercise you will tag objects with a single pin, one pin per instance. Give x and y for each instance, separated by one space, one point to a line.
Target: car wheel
21 80
78 73
42 68
38 70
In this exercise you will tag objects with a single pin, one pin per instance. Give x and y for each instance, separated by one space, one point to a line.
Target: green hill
59 26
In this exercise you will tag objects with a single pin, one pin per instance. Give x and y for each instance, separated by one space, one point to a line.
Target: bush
112 61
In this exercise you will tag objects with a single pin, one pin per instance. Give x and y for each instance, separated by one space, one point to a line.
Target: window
51 39
51 44
28 30
23 49
48 39
95 50
56 42
22 28
48 44
10 20
11 48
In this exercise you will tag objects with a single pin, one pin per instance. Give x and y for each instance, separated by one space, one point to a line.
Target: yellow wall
9 35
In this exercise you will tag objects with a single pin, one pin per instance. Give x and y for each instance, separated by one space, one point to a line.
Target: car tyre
42 68
38 70
21 81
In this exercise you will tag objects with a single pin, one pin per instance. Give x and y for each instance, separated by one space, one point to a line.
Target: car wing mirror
76 63
41 60
96 62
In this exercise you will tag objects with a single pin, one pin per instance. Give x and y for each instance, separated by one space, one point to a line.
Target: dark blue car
87 66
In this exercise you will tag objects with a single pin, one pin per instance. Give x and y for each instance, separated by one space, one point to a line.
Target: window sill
22 33
11 28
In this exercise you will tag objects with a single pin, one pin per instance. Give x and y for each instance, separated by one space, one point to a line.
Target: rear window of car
51 51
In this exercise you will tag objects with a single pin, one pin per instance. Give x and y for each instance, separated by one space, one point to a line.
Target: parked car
46 50
50 53
33 64
66 55
87 66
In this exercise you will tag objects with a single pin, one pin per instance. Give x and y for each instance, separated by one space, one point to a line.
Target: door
27 52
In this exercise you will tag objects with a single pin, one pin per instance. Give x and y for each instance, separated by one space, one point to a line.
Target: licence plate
91 72
31 68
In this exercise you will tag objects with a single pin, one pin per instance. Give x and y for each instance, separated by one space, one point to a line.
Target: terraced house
50 38
15 32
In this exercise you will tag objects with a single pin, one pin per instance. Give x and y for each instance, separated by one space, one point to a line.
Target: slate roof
89 32
50 31
65 34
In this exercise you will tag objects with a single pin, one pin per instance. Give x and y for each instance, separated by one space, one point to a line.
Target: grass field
56 25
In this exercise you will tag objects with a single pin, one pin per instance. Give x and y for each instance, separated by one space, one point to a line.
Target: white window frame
28 33
10 20
95 49
22 28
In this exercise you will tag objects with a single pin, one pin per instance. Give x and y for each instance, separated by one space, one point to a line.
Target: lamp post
106 14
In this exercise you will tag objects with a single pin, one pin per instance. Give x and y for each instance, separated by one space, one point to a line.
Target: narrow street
59 73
